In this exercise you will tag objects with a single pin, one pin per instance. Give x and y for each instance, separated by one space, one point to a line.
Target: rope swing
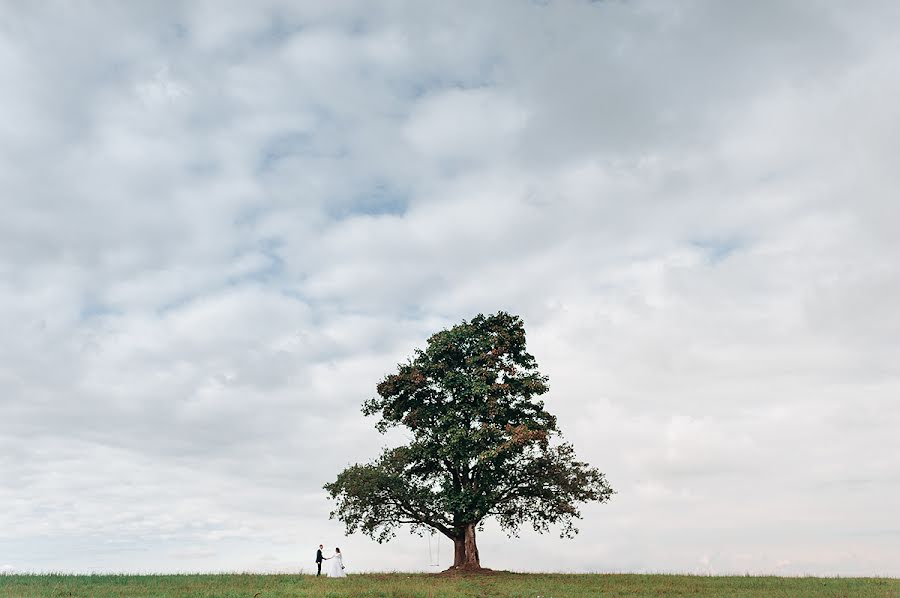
432 561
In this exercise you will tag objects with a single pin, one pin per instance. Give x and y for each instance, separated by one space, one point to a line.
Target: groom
319 560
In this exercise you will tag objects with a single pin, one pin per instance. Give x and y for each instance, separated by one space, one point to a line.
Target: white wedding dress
337 566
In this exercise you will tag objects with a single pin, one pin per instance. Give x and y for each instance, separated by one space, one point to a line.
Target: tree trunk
459 552
465 549
472 560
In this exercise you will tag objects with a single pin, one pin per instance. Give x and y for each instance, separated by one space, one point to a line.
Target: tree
481 445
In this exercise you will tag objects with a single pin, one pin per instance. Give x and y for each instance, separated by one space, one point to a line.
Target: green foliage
378 497
482 443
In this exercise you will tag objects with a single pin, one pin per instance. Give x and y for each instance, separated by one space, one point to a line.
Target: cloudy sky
221 224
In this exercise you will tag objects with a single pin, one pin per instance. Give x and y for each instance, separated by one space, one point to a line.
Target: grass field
402 584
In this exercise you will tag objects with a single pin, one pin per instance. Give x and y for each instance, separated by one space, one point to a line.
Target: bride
337 564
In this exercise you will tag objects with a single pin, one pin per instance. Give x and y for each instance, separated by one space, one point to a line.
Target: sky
222 223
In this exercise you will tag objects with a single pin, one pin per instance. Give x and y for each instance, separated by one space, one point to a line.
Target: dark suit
319 560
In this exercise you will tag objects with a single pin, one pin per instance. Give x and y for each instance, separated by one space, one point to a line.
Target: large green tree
481 445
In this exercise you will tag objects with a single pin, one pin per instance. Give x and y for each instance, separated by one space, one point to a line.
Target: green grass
420 585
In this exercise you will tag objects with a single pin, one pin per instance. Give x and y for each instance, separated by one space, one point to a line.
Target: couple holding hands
337 563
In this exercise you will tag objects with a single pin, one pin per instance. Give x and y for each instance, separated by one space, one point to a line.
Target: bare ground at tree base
467 571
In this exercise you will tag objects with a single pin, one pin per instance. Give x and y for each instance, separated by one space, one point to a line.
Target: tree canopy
482 445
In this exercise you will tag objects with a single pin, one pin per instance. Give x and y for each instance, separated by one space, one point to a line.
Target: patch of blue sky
323 140
176 33
277 32
480 77
248 216
178 303
204 168
270 271
269 274
282 146
92 309
294 290
717 249
381 200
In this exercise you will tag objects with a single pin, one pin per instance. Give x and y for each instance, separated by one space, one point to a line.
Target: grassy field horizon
430 585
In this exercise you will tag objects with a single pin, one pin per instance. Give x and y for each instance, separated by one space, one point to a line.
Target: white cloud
466 125
221 225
